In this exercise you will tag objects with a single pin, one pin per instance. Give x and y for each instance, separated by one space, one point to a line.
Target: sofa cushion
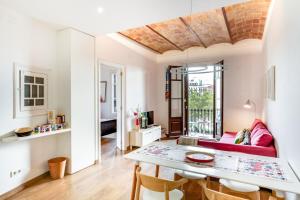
239 137
247 138
228 137
258 126
260 136
256 122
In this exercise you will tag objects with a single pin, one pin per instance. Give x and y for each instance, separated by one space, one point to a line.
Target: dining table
267 172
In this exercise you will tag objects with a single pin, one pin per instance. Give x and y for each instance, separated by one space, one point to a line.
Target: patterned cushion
247 138
239 137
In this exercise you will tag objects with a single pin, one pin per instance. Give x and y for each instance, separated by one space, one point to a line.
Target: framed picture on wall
30 91
103 89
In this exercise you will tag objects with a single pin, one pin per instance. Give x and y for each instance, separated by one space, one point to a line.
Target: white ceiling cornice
194 54
218 51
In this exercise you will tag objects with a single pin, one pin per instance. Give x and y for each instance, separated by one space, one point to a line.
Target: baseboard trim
23 186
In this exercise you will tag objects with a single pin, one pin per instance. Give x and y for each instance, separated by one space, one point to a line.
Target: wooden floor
109 180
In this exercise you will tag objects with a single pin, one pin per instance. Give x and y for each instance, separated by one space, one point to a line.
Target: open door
118 106
110 115
176 114
218 99
204 100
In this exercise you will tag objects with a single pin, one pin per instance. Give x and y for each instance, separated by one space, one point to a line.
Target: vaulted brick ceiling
225 25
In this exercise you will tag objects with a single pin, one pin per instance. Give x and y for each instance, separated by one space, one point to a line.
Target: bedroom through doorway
110 101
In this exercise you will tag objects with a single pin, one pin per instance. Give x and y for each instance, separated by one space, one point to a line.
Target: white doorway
110 103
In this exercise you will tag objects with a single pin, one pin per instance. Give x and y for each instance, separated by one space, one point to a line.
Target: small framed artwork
103 88
271 85
30 91
51 116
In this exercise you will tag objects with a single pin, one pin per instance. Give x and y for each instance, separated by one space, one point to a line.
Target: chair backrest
156 184
215 195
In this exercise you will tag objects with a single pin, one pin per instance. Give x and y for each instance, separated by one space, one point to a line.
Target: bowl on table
22 132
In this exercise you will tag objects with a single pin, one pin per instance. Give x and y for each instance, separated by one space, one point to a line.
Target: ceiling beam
192 31
227 24
169 41
156 51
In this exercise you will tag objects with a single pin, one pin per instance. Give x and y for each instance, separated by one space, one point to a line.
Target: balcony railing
201 122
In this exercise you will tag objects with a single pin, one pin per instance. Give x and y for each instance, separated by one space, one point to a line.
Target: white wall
282 50
31 43
161 115
243 79
106 107
140 83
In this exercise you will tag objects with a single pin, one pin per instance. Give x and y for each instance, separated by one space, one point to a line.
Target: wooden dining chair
192 189
215 195
275 198
239 189
158 189
276 195
183 174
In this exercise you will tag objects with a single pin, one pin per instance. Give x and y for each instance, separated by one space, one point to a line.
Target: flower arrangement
137 117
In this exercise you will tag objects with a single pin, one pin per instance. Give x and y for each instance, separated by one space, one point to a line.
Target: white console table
143 137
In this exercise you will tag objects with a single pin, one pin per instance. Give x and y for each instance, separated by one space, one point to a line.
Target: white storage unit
76 94
143 137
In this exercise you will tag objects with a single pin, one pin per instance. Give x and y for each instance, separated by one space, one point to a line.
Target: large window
114 92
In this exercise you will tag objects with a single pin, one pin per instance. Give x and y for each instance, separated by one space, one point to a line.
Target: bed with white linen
108 126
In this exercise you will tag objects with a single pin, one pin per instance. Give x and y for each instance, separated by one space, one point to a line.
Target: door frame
98 105
222 99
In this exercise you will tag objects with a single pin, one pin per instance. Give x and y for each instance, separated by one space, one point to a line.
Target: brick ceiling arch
225 25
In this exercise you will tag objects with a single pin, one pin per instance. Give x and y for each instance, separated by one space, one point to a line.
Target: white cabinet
143 137
76 95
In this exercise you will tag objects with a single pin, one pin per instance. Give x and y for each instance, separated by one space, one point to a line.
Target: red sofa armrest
256 150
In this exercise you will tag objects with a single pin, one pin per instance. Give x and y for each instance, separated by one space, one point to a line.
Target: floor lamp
249 104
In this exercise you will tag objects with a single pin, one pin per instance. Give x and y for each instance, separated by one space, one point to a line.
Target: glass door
204 97
175 101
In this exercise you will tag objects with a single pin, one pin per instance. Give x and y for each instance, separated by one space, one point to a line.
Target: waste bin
57 167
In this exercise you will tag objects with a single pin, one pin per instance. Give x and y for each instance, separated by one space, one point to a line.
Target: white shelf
10 139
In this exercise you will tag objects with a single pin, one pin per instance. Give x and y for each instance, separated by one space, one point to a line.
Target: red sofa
262 142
